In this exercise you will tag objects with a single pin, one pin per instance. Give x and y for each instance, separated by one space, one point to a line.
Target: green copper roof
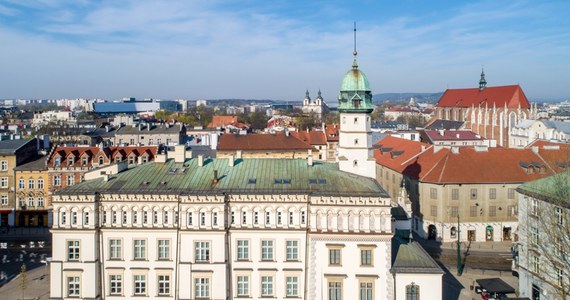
412 258
248 176
355 93
553 189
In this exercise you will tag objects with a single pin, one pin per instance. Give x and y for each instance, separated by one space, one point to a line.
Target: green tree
163 115
258 120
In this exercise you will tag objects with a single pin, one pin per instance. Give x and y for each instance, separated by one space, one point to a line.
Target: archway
489 233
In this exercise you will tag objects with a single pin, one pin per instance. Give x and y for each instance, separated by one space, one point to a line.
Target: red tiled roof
331 131
512 95
450 135
495 165
556 155
221 121
311 137
78 152
262 142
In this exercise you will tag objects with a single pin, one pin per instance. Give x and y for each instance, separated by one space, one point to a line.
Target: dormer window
84 161
57 161
70 161
131 160
101 160
118 159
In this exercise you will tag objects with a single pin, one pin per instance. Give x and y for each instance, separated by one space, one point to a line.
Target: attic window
57 161
100 160
252 181
278 181
286 181
163 182
312 181
70 161
322 181
84 161
145 182
172 171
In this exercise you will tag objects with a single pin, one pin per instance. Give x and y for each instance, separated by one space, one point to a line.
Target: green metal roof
248 176
553 189
355 93
412 258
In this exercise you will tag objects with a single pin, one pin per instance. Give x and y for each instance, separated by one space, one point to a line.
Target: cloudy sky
277 49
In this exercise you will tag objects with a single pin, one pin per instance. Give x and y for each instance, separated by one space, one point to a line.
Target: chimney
232 160
441 132
148 127
534 149
457 135
423 148
179 153
200 160
140 126
310 160
239 154
455 150
215 176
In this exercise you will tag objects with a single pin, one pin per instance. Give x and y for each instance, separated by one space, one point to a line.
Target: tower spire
354 53
482 81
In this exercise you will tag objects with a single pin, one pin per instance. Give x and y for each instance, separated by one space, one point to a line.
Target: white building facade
122 238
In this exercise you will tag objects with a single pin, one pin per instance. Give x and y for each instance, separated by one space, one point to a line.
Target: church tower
355 105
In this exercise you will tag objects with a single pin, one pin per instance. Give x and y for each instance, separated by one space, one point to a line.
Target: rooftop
412 258
262 142
9 147
246 176
497 96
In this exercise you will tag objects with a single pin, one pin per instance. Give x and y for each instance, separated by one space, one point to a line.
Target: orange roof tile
511 95
221 121
311 137
262 142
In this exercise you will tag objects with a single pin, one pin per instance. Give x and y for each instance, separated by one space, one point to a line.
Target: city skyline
277 50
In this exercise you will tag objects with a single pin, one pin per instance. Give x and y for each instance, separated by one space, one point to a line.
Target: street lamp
459 268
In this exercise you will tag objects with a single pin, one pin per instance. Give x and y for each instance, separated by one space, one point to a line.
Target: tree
23 277
163 115
258 120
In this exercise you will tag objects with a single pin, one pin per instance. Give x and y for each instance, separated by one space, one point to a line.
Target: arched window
412 292
100 160
453 232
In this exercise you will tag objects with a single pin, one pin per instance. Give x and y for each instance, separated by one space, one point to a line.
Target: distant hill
405 97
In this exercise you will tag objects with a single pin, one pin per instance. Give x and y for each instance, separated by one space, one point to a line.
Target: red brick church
488 111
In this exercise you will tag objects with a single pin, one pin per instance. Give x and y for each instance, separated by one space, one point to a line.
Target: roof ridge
435 165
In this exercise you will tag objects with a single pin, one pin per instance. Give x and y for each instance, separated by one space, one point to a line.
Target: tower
355 105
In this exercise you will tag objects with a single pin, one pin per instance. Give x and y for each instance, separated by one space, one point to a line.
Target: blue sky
277 49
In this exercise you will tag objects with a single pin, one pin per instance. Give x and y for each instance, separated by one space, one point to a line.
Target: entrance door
471 235
489 234
535 292
506 233
432 232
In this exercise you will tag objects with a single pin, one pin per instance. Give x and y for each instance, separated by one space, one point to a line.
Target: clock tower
355 105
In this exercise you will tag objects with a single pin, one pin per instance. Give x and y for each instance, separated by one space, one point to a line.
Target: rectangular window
279 218
155 217
493 194
202 251
145 217
114 217
335 256
266 250
534 235
163 285
292 286
189 218
73 286
4 199
202 287
473 194
163 249
303 217
57 180
473 211
233 220
135 217
292 250
492 211
40 183
433 193
73 250
534 263
40 201
434 211
31 184
366 291
30 201
115 249
70 180
365 257
256 218
559 216
455 194
4 165
290 218
267 218
335 290
243 286
4 182
511 193
454 211
202 219
244 217
534 207
215 219
511 211
140 285
115 284
165 218
21 184
560 276
266 286
124 217
140 249
242 249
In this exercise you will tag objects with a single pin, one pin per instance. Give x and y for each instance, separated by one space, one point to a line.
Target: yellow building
12 154
31 187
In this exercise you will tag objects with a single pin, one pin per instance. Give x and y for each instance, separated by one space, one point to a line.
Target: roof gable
511 96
